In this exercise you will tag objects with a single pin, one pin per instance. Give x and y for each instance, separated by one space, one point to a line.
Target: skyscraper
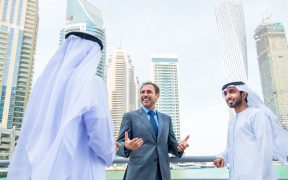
85 17
18 37
272 57
165 75
122 87
232 39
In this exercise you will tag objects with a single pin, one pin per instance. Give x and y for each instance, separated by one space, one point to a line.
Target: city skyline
186 28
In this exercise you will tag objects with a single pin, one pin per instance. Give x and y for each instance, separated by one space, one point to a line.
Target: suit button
155 159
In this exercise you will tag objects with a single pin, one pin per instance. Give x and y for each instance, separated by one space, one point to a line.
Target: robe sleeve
264 145
224 155
100 131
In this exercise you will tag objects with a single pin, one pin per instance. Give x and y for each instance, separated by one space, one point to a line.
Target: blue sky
183 27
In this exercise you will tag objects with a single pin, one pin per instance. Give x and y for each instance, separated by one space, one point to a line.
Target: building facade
272 51
83 16
232 39
9 138
122 87
18 36
165 75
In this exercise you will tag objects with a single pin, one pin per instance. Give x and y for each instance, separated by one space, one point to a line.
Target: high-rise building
9 138
18 36
82 16
232 39
121 87
272 57
165 75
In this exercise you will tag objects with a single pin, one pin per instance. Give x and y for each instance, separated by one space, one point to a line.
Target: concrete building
18 37
122 87
9 138
272 57
165 75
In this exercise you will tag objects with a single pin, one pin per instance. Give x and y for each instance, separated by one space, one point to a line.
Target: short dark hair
156 87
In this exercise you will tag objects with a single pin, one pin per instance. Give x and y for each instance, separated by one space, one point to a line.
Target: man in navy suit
146 136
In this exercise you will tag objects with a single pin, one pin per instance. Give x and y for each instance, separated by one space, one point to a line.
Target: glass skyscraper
272 57
83 16
122 87
165 75
232 39
18 36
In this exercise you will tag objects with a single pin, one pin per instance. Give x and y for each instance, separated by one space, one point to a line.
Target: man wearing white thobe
251 136
67 131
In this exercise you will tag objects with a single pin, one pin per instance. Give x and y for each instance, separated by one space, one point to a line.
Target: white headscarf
280 136
67 89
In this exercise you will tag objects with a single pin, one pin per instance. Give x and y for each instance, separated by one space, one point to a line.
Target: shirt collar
147 110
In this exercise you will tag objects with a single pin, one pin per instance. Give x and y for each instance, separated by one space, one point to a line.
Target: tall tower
18 36
121 87
165 75
83 16
232 39
272 57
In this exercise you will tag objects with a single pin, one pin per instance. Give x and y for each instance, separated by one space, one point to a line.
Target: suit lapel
161 123
146 122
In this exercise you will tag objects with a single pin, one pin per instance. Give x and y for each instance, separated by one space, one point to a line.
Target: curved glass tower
232 39
83 16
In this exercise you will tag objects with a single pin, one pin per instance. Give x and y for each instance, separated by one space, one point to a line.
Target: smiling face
234 98
148 96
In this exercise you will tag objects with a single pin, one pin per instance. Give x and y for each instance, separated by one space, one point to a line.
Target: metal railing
174 160
184 159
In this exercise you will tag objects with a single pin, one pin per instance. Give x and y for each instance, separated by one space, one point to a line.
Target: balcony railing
186 159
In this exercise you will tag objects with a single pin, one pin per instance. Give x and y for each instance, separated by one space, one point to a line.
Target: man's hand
117 146
219 162
132 144
183 144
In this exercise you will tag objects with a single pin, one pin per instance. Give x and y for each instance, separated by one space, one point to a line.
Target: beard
235 104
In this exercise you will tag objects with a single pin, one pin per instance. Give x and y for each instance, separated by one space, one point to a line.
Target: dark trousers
158 175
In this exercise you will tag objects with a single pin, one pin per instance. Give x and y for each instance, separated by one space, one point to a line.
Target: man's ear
244 94
158 95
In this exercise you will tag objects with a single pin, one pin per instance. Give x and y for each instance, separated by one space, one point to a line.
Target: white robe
67 131
249 151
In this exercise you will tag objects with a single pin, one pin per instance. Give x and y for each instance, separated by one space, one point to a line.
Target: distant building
84 17
232 39
165 75
122 87
272 51
18 38
9 138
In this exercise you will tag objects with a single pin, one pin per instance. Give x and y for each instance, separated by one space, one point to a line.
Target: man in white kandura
254 138
67 131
